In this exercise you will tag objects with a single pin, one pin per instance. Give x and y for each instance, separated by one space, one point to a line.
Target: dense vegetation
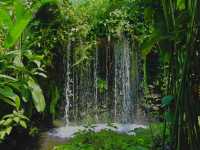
143 139
34 35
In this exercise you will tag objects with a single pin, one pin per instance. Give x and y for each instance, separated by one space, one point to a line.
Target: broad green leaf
167 100
2 134
37 95
16 119
23 117
181 4
5 19
8 130
21 88
7 122
152 40
22 17
17 29
149 43
23 124
17 102
7 92
19 9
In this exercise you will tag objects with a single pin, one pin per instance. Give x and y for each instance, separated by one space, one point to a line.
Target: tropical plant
19 67
175 35
9 121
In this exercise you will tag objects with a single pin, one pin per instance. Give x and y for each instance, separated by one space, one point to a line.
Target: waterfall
96 83
67 81
122 81
126 83
105 89
111 64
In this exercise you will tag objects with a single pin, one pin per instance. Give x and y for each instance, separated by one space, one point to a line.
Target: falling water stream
104 91
114 69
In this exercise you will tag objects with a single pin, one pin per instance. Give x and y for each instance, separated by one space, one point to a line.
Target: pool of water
61 135
47 142
69 131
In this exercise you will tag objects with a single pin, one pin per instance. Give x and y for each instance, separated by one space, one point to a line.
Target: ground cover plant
143 139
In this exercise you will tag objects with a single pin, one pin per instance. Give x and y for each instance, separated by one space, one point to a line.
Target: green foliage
54 100
82 53
10 97
109 140
23 15
5 20
16 89
9 121
19 67
37 95
102 85
177 22
14 28
150 41
167 100
105 140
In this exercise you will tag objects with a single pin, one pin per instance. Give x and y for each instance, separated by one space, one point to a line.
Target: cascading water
122 80
67 89
113 68
84 101
96 84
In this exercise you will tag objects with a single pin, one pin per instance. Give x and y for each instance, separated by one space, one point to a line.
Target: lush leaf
37 95
167 100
